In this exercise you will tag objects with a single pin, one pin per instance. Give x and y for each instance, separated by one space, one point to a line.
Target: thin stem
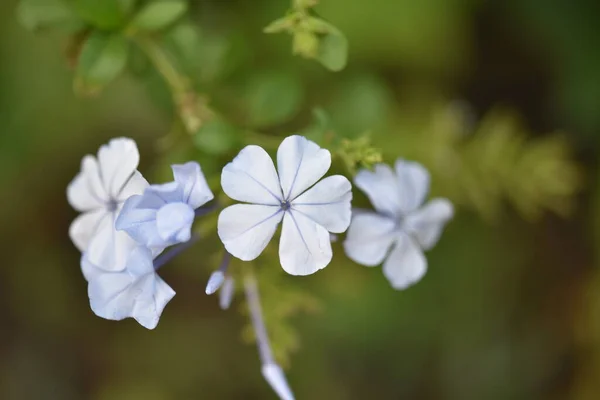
262 339
172 253
201 211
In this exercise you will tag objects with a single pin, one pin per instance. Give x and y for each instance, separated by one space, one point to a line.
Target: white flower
164 214
99 191
400 224
136 292
308 215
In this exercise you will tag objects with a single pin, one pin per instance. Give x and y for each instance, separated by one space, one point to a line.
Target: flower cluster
126 225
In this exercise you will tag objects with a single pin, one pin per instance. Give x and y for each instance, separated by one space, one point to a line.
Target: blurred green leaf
158 15
185 43
273 98
102 59
104 14
280 25
333 50
319 127
39 14
216 136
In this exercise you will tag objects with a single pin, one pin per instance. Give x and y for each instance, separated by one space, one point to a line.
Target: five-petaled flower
164 214
309 210
99 191
136 292
400 224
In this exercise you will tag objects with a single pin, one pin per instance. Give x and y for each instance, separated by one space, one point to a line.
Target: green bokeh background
510 309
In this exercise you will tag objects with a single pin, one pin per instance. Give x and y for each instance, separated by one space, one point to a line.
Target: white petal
246 229
226 293
381 187
84 227
327 203
427 223
140 223
274 375
300 163
156 196
89 270
195 189
369 238
109 248
174 222
135 185
304 247
137 292
406 264
215 281
118 161
251 178
86 192
413 182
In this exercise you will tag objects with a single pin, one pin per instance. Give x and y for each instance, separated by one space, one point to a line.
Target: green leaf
104 14
158 15
280 25
319 127
39 14
102 59
216 136
333 50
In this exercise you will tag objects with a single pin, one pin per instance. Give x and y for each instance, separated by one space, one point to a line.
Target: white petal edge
381 187
406 264
251 178
109 248
305 247
274 375
246 229
135 185
300 163
413 183
369 238
328 203
118 161
86 191
427 223
84 227
195 189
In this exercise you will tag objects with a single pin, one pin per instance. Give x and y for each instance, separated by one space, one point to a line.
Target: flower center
285 205
112 205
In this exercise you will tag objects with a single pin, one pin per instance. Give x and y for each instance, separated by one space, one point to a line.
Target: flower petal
135 185
300 163
84 227
413 181
427 223
195 189
369 238
304 247
174 222
86 192
274 375
327 203
251 177
118 161
406 264
381 187
140 223
246 229
89 270
109 248
137 292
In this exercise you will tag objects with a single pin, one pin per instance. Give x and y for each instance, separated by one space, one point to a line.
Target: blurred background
500 99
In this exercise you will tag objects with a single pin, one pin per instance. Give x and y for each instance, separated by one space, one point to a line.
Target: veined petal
174 222
327 203
84 227
381 187
304 247
427 223
195 189
109 248
413 181
251 178
369 238
140 223
137 292
118 161
300 163
135 185
86 192
406 264
246 229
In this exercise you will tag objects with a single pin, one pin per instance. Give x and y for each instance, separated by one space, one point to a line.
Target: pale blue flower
164 214
402 227
309 209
